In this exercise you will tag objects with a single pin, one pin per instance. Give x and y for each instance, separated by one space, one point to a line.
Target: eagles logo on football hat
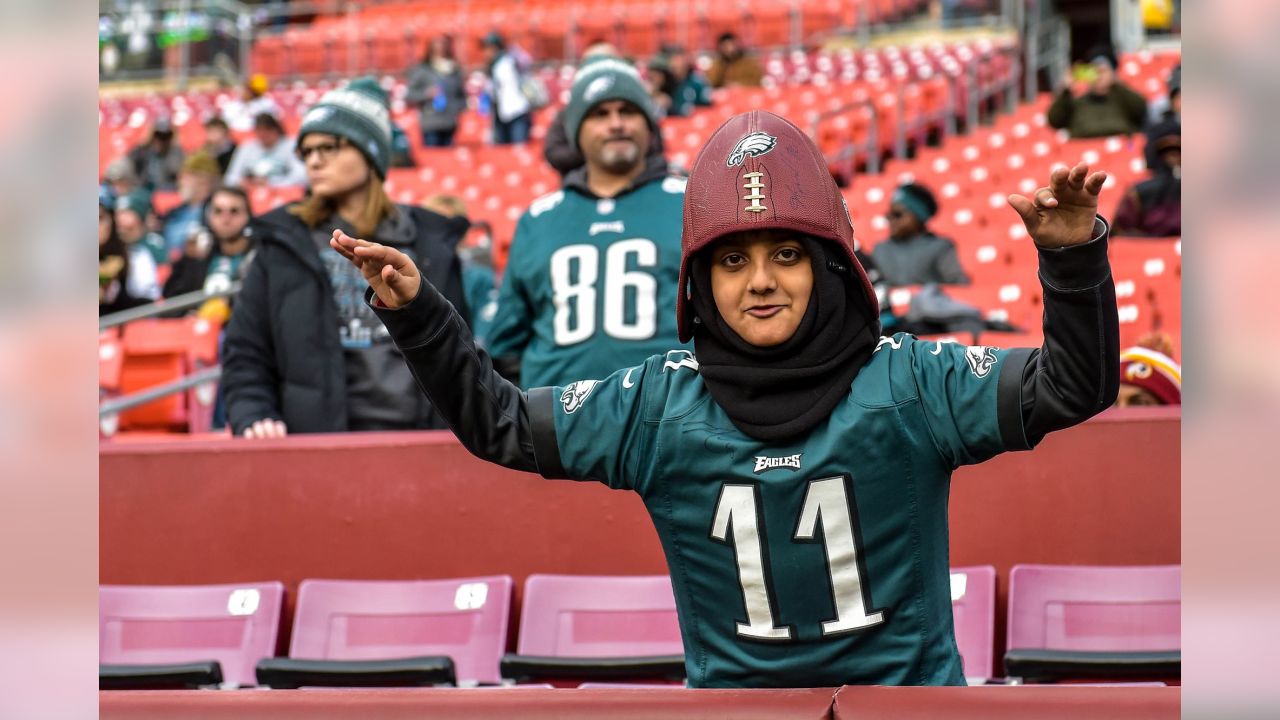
760 172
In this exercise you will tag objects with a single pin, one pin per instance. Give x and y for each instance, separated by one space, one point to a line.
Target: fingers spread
1045 198
1094 184
1026 210
1058 180
1078 173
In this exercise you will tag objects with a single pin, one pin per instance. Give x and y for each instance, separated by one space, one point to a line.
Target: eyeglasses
326 150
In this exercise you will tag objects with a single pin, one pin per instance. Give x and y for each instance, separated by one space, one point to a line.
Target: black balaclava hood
784 391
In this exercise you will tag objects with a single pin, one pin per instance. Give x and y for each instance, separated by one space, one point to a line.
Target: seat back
973 605
235 624
463 618
159 351
1058 607
599 616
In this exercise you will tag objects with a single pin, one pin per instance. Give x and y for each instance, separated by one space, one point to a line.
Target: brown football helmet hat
760 172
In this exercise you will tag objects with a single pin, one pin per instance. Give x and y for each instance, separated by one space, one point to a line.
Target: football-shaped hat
760 172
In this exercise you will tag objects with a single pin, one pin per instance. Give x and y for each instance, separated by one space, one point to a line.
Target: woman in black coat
302 353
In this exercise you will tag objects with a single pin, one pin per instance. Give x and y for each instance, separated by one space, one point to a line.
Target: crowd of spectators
304 352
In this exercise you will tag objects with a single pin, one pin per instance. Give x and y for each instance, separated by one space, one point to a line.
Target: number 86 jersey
590 282
818 562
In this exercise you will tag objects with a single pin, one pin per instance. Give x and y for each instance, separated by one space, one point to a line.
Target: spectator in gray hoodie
436 88
913 255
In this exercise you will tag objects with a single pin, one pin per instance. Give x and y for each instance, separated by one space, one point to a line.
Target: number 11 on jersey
737 521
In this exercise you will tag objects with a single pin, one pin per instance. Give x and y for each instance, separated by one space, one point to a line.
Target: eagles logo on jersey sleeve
968 394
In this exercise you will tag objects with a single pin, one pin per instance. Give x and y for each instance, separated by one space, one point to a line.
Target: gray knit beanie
357 112
605 78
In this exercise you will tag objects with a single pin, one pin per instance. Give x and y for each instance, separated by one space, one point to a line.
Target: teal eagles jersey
818 562
590 282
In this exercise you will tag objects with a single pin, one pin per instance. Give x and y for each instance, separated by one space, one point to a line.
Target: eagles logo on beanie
760 172
600 79
358 112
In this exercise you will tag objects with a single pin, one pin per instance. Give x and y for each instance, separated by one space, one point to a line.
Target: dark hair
216 121
726 36
448 52
236 191
115 246
268 120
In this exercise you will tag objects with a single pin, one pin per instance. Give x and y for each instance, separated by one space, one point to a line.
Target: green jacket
1120 112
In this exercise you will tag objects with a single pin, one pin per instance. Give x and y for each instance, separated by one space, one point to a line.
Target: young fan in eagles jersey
797 467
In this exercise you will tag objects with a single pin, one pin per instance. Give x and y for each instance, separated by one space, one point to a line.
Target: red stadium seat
161 351
110 360
235 625
463 618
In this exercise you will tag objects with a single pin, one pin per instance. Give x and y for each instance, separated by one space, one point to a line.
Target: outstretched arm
1075 374
490 416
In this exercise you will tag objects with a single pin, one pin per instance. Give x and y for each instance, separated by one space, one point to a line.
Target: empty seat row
1112 623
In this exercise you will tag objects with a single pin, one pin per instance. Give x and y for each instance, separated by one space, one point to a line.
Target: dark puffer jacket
282 357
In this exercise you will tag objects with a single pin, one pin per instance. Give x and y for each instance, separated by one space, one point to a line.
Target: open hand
1062 214
392 275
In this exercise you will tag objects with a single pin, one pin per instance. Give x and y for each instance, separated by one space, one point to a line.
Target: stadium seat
159 351
1091 622
235 625
589 628
110 360
973 605
464 619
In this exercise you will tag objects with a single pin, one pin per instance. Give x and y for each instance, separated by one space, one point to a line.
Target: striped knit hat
359 113
1154 372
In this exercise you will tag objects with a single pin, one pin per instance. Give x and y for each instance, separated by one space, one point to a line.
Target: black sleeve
442 268
188 275
250 378
559 153
490 416
1075 374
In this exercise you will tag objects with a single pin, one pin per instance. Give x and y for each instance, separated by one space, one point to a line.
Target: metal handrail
850 150
974 96
151 394
165 305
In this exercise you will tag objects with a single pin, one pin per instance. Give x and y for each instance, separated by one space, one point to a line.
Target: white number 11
826 501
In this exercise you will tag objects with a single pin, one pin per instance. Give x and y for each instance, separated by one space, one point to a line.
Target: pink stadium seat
1095 608
610 628
973 605
463 618
233 624
1095 611
599 616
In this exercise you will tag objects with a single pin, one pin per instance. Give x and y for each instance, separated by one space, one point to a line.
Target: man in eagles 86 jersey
797 466
591 264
